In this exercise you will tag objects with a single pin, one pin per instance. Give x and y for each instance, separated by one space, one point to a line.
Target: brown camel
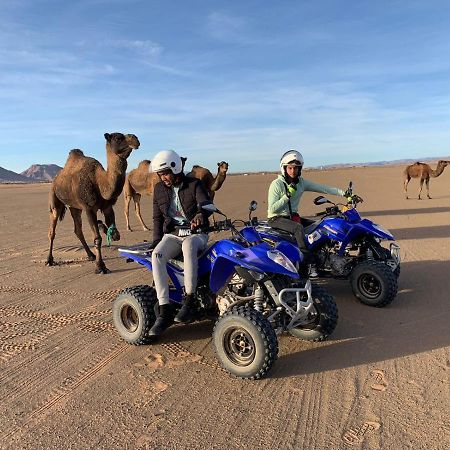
83 184
424 172
141 181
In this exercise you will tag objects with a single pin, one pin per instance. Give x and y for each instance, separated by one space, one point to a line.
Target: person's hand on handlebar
356 199
197 221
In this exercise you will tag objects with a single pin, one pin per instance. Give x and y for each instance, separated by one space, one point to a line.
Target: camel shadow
402 212
416 322
438 231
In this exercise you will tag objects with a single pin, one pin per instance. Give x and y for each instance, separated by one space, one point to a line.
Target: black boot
163 320
188 311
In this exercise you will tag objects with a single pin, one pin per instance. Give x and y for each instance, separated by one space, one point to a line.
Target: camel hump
76 152
144 164
196 166
74 155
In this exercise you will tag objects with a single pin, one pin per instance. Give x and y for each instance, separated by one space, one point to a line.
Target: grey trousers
169 247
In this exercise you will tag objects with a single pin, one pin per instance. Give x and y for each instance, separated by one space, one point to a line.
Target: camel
83 184
141 181
211 183
424 172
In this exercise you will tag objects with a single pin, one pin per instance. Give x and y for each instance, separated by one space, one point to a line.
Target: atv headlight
281 259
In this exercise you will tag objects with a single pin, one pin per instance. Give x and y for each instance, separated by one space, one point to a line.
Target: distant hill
8 176
41 172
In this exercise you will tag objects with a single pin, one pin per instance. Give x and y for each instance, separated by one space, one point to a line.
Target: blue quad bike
348 247
252 290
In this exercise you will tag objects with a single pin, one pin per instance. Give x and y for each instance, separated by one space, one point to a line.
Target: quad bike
348 247
251 290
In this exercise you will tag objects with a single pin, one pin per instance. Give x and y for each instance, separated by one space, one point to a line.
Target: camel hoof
50 263
91 257
146 229
103 269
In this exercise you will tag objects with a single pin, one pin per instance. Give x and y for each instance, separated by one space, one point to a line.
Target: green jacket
278 201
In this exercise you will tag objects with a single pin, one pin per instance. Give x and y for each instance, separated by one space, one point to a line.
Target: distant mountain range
44 173
37 173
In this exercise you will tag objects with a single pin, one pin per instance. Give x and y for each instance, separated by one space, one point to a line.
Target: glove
292 189
354 199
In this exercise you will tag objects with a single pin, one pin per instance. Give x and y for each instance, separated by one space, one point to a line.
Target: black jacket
192 194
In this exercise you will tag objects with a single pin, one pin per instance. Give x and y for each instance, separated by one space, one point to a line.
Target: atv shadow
416 322
405 212
438 231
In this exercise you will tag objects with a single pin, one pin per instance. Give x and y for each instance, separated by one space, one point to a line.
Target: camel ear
107 136
218 164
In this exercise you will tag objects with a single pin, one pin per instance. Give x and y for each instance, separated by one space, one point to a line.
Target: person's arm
202 198
277 197
158 218
322 188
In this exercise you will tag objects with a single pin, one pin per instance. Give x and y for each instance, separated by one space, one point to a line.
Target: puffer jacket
192 194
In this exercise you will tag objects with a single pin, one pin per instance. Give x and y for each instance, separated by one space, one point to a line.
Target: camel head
121 144
223 167
443 163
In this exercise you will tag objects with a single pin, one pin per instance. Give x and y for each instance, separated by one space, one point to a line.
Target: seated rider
284 198
176 208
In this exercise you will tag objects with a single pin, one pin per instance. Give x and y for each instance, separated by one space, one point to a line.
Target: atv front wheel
321 321
373 283
133 313
246 345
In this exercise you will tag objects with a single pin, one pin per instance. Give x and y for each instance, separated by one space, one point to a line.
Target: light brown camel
83 184
141 181
424 172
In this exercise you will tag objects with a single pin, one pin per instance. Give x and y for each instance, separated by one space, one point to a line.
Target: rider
177 201
284 198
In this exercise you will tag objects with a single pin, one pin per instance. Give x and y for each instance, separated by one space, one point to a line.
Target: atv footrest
139 249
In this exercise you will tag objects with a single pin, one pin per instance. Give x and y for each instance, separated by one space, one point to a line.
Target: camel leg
405 186
78 230
427 184
92 217
137 207
421 186
127 211
57 210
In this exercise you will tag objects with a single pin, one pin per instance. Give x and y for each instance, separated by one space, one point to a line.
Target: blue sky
242 81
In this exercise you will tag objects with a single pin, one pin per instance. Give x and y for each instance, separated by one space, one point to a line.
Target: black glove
154 244
357 198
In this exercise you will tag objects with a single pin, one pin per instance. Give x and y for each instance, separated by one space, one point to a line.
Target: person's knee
158 257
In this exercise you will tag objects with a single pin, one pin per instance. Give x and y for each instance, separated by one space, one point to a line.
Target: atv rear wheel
374 283
133 313
246 345
322 321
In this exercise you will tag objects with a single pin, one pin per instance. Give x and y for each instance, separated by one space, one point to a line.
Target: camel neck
439 169
114 176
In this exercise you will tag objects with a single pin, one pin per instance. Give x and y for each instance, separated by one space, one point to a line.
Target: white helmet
291 157
167 159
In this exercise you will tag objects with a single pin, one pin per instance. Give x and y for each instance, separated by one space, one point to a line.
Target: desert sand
381 381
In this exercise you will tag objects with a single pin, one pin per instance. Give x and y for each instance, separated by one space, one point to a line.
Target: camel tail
62 213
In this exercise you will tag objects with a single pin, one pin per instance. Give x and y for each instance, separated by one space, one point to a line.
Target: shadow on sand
405 212
438 231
